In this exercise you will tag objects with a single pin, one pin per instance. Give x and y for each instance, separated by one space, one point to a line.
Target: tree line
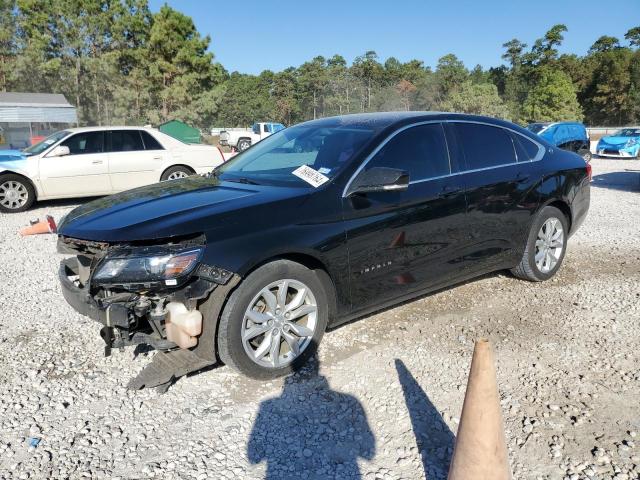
119 63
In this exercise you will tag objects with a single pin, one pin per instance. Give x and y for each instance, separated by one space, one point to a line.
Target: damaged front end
159 294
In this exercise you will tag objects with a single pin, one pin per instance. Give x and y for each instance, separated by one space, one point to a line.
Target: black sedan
318 224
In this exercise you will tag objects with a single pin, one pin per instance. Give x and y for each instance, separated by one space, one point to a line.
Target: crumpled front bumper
606 150
78 297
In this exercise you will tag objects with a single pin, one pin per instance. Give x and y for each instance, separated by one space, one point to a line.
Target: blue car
571 136
624 143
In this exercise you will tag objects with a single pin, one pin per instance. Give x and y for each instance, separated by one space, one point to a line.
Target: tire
243 144
234 351
174 173
529 269
16 193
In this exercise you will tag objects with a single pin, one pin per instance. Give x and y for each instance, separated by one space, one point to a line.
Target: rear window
485 146
526 150
126 141
150 143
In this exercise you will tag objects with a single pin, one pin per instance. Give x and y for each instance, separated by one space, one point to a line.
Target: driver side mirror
379 179
59 151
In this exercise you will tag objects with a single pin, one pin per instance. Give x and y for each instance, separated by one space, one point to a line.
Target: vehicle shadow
434 439
628 180
310 430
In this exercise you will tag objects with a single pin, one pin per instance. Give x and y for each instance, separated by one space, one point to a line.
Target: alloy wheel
13 195
549 245
279 323
177 174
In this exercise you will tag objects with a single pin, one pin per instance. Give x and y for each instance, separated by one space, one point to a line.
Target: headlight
631 142
148 265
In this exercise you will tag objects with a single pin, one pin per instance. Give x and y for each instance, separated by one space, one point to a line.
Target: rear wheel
274 321
16 193
243 144
546 246
176 172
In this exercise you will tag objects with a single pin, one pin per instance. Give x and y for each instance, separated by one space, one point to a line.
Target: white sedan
91 161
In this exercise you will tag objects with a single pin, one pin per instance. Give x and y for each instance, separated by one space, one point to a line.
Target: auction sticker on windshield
311 176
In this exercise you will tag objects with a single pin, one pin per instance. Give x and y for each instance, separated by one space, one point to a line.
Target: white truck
243 139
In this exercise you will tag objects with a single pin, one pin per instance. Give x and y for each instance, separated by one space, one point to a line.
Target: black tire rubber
243 142
527 269
230 348
177 168
31 193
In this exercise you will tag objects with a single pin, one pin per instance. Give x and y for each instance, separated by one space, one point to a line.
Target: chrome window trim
537 158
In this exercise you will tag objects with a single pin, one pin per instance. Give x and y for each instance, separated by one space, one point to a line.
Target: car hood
613 140
11 155
164 210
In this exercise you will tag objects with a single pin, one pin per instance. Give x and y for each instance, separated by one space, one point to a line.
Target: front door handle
97 162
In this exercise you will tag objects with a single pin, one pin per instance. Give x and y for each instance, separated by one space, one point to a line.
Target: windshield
628 132
40 147
326 149
537 127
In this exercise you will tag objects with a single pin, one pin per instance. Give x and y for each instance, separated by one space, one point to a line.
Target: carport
26 118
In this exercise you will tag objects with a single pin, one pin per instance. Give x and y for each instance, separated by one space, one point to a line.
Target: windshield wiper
244 180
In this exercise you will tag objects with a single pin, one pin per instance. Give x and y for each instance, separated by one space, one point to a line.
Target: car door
131 162
85 171
403 241
498 191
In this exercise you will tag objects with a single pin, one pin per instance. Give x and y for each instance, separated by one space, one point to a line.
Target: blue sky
250 36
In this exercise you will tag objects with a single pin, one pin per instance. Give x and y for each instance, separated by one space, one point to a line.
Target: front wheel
274 321
16 194
546 246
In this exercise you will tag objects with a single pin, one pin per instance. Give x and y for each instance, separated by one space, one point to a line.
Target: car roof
103 128
382 120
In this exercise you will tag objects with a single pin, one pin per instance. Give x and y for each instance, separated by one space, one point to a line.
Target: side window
421 151
150 143
126 141
85 143
526 150
485 146
266 127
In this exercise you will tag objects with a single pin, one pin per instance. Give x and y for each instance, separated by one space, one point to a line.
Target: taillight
589 171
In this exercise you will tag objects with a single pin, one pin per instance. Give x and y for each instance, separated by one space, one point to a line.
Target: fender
24 166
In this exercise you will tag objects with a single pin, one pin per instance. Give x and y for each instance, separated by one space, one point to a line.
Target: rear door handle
97 162
157 157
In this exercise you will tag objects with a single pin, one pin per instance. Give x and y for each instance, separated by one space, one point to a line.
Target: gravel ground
390 387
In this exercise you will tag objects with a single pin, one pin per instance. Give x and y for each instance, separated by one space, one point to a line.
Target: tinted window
421 151
150 143
485 146
84 143
126 141
526 150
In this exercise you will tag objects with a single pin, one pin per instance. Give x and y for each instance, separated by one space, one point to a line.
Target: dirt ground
387 396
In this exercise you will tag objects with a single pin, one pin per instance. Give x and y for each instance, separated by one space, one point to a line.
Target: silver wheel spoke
274 351
300 330
297 300
283 288
270 300
549 245
292 342
302 311
258 317
253 332
262 350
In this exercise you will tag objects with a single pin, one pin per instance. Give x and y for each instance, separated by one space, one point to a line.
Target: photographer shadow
311 431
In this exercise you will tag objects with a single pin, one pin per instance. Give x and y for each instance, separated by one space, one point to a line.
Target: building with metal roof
26 118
